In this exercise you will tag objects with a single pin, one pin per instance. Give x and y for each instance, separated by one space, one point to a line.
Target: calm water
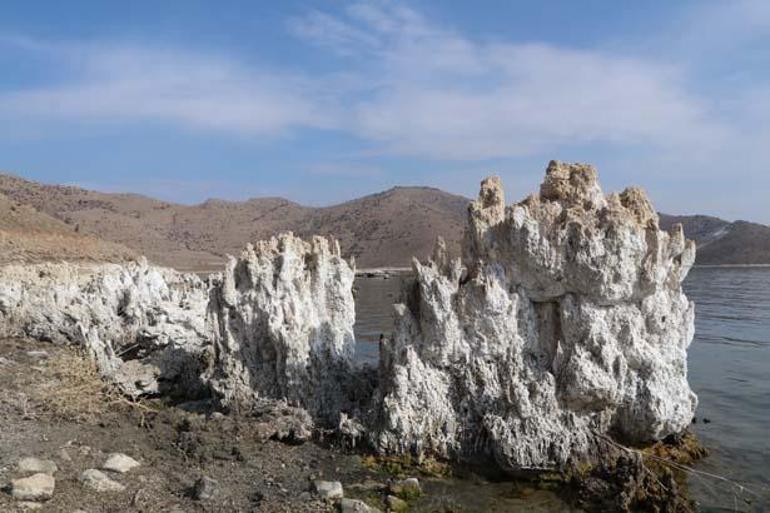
729 365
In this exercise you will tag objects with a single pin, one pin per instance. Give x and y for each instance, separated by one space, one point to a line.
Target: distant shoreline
731 265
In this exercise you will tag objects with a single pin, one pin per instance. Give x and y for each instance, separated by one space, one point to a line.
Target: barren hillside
28 235
384 229
722 242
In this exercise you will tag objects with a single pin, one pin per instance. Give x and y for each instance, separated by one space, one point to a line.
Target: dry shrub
76 391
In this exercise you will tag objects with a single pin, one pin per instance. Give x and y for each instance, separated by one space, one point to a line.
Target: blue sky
324 101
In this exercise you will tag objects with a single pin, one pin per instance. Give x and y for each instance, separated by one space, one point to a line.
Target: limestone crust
144 325
564 319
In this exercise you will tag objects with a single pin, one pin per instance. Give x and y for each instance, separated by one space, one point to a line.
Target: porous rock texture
282 322
565 319
144 325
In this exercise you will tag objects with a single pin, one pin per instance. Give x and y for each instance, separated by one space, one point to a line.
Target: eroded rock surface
565 318
282 321
144 325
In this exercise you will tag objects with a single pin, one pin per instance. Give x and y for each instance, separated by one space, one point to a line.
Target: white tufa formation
282 321
565 320
143 325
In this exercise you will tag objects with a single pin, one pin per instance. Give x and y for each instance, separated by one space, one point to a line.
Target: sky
324 101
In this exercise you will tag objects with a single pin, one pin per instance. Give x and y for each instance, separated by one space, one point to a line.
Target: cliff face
144 325
282 326
565 319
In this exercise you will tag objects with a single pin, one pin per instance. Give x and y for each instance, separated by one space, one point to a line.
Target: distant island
42 221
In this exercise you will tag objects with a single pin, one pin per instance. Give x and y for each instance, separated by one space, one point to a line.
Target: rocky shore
554 349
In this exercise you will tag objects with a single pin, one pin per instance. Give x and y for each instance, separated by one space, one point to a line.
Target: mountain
723 242
383 229
28 235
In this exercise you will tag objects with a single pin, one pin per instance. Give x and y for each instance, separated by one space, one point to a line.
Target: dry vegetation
75 391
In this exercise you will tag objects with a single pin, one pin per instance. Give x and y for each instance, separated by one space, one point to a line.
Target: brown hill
28 235
384 229
723 242
380 230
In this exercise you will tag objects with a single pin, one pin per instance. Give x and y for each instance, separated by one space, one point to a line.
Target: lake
729 369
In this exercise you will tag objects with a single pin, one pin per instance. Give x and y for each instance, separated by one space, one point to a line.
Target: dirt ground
53 406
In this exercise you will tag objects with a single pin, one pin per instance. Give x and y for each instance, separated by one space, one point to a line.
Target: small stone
395 504
217 415
263 431
356 506
64 455
117 462
204 489
305 497
98 481
328 490
38 487
29 506
408 488
37 354
36 465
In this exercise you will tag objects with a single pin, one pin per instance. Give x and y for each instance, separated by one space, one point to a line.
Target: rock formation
282 322
565 319
563 322
144 325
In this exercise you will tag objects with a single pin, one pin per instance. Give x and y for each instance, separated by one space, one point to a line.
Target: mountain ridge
383 229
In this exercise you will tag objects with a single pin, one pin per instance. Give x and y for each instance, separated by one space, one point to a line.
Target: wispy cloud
441 95
135 83
404 85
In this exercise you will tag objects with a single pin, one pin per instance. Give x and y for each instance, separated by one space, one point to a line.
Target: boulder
328 490
36 465
120 463
37 487
563 321
99 482
408 488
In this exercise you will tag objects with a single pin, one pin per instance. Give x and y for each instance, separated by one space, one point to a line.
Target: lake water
729 366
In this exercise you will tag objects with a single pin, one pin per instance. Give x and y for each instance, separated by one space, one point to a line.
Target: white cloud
118 84
405 86
437 94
